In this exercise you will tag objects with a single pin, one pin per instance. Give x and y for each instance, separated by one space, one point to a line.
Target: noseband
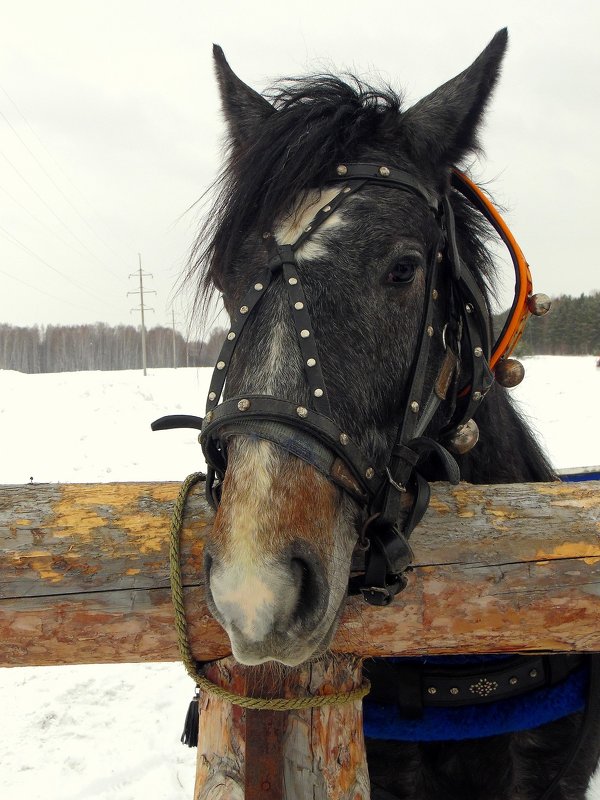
394 498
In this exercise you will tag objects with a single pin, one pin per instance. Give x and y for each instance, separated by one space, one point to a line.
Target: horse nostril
311 589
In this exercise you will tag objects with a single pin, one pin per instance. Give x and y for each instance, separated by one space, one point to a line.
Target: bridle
393 499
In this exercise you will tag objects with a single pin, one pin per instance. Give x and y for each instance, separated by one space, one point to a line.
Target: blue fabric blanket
472 722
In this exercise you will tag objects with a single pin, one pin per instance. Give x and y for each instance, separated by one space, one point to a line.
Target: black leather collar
413 686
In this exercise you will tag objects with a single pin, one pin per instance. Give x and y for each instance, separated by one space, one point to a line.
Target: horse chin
290 654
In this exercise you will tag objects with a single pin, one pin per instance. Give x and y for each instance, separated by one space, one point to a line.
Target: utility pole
142 308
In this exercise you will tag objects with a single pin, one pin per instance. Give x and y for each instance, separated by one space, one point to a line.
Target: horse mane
323 120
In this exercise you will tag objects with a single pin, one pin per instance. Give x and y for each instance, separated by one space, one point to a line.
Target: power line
54 214
44 225
41 291
61 170
13 240
45 171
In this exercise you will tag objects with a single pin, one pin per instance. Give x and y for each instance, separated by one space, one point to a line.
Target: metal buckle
458 341
397 486
376 595
383 595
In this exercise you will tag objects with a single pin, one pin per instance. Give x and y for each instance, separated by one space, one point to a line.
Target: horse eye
402 271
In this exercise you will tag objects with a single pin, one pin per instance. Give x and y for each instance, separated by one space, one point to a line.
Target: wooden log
84 575
294 755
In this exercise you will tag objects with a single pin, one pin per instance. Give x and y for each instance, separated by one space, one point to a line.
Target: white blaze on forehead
289 228
287 231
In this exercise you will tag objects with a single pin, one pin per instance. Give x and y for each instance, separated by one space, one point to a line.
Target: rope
191 665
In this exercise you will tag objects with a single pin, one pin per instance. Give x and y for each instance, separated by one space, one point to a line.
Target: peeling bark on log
84 575
302 754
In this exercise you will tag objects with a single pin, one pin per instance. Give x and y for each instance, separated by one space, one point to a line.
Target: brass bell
509 372
465 438
539 304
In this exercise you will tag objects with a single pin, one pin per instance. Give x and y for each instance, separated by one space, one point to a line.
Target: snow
83 427
112 732
560 398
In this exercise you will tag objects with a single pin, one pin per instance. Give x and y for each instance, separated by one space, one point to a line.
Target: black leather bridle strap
445 376
252 408
252 297
386 176
475 349
305 337
403 458
419 370
303 445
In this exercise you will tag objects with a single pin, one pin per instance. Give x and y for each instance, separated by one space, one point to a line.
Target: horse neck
507 451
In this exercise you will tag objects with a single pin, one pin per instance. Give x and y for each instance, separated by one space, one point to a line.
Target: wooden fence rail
84 579
84 575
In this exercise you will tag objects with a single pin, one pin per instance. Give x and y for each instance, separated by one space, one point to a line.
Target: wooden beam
84 575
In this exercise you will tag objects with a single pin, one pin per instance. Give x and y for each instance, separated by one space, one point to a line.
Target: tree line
71 348
571 328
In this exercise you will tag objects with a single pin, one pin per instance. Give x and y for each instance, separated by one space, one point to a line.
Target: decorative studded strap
252 297
449 686
305 334
386 176
253 410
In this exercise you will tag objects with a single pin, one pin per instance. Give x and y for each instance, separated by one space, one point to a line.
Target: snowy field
112 732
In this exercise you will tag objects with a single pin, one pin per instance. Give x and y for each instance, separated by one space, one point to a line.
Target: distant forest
71 348
571 328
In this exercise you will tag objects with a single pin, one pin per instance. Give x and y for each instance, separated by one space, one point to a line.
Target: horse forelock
321 121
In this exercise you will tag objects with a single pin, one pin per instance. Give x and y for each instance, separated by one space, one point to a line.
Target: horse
358 280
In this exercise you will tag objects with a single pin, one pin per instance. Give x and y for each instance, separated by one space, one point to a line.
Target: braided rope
191 665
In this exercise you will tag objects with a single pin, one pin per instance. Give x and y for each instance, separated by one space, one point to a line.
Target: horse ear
244 108
443 125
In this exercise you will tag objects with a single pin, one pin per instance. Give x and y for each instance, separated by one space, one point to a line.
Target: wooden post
270 755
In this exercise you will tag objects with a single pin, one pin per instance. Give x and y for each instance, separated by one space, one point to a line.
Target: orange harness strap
519 312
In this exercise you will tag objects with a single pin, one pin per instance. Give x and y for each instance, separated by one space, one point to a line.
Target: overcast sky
110 129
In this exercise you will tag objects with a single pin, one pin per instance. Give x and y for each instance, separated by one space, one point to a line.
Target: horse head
332 248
